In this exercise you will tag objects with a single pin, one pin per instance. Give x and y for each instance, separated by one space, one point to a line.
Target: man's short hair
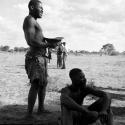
64 43
33 3
74 71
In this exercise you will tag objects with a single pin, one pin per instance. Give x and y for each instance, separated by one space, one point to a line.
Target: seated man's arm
103 95
34 39
69 103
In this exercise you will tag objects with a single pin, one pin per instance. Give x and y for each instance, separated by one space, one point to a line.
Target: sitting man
72 97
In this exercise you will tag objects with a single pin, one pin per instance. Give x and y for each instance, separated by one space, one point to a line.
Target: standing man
59 55
49 54
35 61
64 55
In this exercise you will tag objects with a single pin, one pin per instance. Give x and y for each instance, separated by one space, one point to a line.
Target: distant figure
36 61
72 109
64 55
101 51
49 54
59 55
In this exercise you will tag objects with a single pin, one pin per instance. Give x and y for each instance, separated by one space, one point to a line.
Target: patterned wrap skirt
36 68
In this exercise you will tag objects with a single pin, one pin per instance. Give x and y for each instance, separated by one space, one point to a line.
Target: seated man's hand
103 116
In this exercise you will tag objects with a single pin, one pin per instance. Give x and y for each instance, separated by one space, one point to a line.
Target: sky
84 24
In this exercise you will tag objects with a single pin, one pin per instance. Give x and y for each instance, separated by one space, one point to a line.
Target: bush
123 53
20 49
114 53
4 48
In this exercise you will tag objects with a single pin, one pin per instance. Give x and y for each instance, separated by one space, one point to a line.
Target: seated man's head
78 77
35 8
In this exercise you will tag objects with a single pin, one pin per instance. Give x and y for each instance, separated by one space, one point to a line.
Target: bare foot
39 112
29 117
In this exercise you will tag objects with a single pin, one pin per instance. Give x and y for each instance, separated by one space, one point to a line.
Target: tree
20 49
4 48
108 49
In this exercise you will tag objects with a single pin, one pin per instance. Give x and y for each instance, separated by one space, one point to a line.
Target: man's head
35 8
60 44
64 43
78 77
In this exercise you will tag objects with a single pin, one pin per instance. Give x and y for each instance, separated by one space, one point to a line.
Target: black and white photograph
62 62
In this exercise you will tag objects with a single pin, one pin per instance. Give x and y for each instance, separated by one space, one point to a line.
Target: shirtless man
72 97
35 61
59 55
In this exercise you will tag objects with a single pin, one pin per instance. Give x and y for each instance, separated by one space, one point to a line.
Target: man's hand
103 116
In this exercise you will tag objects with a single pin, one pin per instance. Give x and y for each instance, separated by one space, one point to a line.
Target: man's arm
101 94
65 50
33 39
69 103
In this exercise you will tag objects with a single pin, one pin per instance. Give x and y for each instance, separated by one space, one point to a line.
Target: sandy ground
106 73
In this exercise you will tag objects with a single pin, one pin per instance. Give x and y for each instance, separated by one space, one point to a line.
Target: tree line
107 49
15 49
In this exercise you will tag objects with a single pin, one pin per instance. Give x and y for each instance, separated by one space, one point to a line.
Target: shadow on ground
15 114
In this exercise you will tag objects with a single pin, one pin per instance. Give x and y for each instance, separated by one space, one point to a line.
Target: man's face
79 80
38 10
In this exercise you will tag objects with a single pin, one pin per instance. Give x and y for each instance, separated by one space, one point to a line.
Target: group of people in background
61 55
61 52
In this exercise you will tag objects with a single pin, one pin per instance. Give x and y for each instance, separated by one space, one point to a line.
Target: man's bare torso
77 96
33 32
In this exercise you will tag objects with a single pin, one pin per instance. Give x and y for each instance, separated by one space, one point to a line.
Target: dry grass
106 72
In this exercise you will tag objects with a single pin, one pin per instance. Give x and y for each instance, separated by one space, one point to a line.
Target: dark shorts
36 68
59 58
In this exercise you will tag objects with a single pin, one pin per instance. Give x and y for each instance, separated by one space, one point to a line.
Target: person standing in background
59 55
64 56
49 54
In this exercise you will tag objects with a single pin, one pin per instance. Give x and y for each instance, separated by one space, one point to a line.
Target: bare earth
105 72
